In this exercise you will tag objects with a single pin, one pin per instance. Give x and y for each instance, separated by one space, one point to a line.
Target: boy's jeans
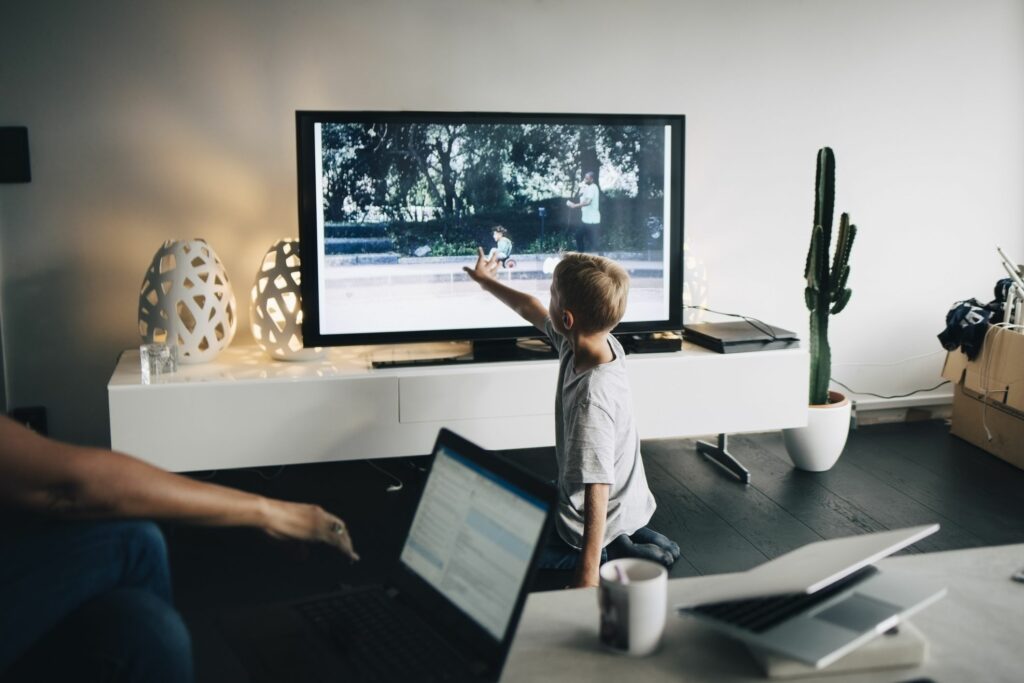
89 601
557 554
645 543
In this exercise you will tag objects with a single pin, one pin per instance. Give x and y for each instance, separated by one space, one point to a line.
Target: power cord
397 484
760 326
868 393
899 362
764 328
269 477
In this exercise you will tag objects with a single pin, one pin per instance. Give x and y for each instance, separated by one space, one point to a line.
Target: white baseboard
927 406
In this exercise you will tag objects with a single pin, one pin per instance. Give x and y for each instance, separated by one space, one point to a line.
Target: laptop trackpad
858 613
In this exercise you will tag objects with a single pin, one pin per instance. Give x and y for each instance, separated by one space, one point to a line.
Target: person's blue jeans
89 601
644 543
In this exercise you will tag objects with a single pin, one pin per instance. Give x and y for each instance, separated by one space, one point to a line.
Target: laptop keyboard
381 643
760 614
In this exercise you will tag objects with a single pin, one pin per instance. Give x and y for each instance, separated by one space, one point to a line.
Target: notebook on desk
819 602
449 610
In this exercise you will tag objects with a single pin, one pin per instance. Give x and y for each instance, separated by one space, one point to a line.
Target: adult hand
485 268
305 522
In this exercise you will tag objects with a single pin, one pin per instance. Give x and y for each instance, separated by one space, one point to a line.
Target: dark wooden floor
889 476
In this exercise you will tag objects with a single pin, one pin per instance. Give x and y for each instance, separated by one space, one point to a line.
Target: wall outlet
33 417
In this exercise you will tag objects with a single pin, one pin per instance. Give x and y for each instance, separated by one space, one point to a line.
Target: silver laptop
819 602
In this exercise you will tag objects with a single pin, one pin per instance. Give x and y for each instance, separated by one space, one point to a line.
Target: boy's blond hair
594 288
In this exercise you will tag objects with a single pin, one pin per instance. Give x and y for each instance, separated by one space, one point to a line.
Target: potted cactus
817 446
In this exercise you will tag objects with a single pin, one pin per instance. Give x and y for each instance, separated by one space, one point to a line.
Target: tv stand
245 410
503 350
720 455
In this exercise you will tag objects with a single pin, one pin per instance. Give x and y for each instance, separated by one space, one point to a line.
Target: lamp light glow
276 304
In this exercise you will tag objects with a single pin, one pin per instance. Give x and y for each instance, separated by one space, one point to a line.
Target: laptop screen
472 538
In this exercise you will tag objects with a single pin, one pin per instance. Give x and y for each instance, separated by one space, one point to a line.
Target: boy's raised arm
529 307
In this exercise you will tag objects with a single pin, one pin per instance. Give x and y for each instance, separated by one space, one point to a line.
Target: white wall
151 120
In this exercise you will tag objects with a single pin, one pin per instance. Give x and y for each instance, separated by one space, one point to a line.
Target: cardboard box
988 396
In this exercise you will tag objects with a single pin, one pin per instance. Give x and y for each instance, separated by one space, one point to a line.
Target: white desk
244 409
975 633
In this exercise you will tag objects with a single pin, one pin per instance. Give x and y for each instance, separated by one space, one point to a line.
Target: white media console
244 410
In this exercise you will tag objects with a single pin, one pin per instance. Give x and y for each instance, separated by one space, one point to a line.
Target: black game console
651 342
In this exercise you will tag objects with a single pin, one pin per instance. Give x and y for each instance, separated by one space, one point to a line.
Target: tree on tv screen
461 178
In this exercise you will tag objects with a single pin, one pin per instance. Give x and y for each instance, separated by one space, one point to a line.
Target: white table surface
975 633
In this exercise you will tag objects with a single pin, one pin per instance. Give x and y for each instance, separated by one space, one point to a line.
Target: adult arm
586 199
595 511
60 479
528 307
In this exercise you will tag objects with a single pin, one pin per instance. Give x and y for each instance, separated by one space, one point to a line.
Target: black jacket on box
968 321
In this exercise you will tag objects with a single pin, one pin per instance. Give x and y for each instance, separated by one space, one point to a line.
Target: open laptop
450 608
818 602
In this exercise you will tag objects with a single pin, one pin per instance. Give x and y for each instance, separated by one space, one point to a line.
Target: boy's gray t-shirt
596 442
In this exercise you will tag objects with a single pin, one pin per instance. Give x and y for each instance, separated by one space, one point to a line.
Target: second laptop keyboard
760 614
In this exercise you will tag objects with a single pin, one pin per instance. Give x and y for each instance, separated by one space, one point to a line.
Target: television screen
393 205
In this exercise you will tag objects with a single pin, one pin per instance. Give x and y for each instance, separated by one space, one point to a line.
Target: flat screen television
393 204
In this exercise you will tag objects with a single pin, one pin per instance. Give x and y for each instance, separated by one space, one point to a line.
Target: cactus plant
826 293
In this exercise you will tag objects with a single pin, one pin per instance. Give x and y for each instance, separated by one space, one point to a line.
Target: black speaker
14 165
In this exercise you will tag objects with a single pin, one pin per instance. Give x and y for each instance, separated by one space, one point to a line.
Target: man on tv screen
588 234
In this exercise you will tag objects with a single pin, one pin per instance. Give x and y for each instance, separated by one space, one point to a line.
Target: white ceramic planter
817 446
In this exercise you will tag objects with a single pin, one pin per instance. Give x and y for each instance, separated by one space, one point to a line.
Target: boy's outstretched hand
485 268
485 274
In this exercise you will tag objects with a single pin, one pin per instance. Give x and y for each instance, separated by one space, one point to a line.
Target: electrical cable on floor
391 488
268 477
412 464
868 393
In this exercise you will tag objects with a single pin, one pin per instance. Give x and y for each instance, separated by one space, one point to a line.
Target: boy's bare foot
623 546
649 535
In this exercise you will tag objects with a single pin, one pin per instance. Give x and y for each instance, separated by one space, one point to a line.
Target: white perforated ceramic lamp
275 309
186 296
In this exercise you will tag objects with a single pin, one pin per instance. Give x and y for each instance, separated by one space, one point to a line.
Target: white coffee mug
632 599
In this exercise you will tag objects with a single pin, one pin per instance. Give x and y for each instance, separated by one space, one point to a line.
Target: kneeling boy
604 500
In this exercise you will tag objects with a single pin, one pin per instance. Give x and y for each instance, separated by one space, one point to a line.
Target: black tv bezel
307 206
